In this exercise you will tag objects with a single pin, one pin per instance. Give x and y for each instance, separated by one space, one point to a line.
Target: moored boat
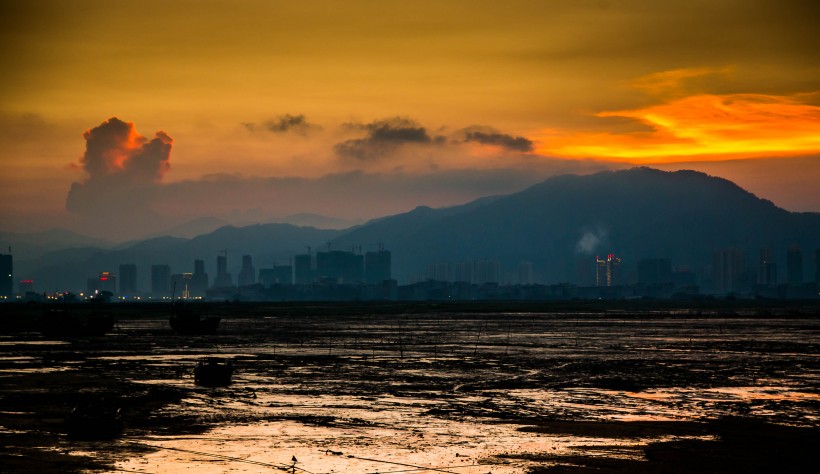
213 372
184 321
62 322
94 421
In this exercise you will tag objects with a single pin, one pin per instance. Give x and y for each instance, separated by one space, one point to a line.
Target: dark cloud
383 137
284 123
489 137
117 160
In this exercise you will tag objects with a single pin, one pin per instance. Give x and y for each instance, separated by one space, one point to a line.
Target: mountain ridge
559 225
546 222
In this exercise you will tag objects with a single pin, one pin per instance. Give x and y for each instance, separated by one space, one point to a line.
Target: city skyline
167 113
337 275
358 275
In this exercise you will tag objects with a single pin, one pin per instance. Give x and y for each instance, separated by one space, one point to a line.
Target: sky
121 119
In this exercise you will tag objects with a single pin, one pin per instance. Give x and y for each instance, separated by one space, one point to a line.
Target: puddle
33 343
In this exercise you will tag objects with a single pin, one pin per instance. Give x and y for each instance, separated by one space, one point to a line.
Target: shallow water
420 393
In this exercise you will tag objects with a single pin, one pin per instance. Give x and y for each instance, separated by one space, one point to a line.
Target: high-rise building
247 276
728 269
128 279
91 286
440 271
487 271
767 268
160 280
377 266
26 286
181 283
303 269
525 273
607 271
283 274
278 275
794 265
464 271
199 280
223 278
107 281
477 272
654 270
6 277
817 266
345 267
683 276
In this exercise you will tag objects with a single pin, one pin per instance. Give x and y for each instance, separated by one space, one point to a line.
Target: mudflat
499 388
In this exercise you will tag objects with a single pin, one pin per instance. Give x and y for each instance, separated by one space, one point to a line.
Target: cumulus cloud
493 138
384 137
116 149
118 159
283 124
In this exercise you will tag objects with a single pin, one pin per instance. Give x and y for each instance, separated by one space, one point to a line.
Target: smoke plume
590 241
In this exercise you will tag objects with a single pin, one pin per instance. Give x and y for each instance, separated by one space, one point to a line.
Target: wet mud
362 390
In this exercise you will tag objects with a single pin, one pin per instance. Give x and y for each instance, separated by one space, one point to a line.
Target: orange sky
703 127
429 89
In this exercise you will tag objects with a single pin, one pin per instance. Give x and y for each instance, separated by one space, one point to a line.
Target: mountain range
559 225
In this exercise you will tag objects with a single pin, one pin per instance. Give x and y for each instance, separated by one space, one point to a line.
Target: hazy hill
34 244
559 225
315 220
193 228
563 222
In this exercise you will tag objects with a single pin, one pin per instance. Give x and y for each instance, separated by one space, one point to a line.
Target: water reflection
420 393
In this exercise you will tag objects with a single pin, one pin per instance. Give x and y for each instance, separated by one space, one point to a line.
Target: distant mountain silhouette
191 229
563 222
559 225
34 244
315 220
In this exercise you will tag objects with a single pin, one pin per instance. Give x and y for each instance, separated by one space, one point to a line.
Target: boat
62 322
213 372
184 321
94 421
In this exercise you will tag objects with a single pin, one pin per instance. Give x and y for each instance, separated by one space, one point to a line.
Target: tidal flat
423 388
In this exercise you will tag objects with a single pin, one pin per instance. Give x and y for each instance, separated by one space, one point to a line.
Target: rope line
430 468
294 467
283 467
401 464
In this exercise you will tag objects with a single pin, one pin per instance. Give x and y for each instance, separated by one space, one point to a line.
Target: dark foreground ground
666 389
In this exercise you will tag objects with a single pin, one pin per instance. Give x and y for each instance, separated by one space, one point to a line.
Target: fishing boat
94 421
64 322
213 372
185 321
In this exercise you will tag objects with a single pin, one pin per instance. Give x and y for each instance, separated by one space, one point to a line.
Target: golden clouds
692 125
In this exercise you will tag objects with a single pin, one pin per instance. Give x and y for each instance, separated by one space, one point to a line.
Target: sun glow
700 127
